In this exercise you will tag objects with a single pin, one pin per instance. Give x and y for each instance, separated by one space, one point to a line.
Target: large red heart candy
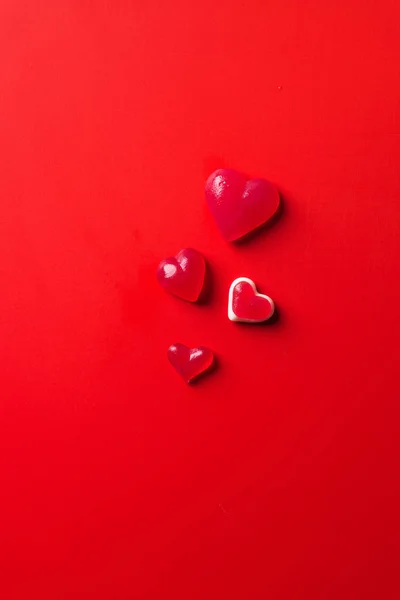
239 205
190 362
245 304
183 274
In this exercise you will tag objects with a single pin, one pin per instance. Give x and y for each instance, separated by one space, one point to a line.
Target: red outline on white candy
231 314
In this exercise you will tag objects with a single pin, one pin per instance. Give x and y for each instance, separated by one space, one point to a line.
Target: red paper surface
276 477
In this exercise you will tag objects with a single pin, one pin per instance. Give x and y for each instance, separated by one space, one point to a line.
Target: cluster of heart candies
239 206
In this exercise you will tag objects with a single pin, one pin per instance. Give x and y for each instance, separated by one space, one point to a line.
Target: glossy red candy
245 304
183 275
190 362
240 205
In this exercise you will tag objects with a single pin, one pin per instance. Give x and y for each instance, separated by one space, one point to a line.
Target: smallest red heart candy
183 275
190 363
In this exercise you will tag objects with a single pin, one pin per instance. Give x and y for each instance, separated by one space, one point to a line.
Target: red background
277 476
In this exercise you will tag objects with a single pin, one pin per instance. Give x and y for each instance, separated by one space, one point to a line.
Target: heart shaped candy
239 205
190 362
183 275
246 305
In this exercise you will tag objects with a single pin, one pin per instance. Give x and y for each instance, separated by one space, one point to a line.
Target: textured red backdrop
276 477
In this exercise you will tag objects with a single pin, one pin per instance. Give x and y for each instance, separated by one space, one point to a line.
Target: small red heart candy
245 304
183 275
240 205
190 362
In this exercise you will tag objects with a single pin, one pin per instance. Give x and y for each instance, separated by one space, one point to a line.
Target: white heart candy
232 301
